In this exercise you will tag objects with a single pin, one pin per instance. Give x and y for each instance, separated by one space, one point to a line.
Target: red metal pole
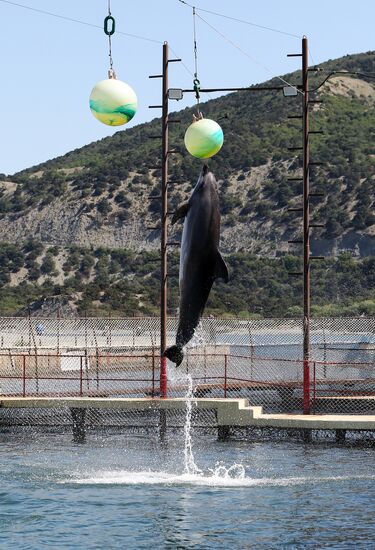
225 375
23 376
81 377
153 372
314 398
306 230
164 213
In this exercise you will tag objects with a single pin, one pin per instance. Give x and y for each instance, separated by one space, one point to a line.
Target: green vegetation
127 283
108 181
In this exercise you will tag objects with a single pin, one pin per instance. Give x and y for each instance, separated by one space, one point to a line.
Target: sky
50 65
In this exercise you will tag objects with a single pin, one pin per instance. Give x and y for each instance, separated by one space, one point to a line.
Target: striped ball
113 102
204 138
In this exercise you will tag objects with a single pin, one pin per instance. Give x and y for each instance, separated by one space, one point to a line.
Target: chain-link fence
261 360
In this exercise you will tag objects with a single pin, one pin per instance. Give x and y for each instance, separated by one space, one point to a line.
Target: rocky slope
99 195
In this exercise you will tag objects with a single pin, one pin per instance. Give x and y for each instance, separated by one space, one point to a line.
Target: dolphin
200 260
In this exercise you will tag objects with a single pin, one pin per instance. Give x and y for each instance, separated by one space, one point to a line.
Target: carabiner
197 87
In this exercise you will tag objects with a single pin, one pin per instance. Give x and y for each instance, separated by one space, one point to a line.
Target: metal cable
111 71
242 21
92 25
71 20
196 80
182 63
248 55
366 75
311 56
195 45
110 53
187 68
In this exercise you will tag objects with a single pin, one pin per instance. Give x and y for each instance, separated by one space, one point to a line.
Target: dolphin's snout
204 170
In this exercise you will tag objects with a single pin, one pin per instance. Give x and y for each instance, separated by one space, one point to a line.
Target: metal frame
306 210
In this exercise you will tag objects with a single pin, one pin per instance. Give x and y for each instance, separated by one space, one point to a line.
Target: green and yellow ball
204 138
113 102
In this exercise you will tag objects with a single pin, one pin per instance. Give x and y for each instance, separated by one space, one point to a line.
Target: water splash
220 474
176 375
190 465
199 338
224 474
219 477
236 471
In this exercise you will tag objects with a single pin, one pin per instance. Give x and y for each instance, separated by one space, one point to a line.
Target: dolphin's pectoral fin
221 269
181 212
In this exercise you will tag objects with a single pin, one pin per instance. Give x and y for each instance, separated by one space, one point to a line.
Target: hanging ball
113 102
204 138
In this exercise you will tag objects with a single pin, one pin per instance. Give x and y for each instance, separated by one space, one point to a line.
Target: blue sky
50 65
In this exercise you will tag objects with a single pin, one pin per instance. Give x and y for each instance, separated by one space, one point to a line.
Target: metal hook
107 20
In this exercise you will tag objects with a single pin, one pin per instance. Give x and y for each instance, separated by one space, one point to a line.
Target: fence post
29 318
87 369
97 368
153 373
80 377
251 348
314 388
86 333
36 371
58 330
225 374
24 376
109 335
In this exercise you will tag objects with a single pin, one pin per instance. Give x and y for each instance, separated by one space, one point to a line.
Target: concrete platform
230 412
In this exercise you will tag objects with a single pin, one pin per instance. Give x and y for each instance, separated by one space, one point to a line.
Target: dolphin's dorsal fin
181 212
221 269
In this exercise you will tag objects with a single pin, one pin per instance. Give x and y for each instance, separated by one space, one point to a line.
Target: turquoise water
128 491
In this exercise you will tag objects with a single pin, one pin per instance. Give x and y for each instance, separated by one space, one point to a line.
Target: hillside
87 219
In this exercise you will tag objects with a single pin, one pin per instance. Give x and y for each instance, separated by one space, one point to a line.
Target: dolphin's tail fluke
174 354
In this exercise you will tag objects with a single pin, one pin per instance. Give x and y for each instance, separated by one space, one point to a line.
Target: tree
104 207
48 264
